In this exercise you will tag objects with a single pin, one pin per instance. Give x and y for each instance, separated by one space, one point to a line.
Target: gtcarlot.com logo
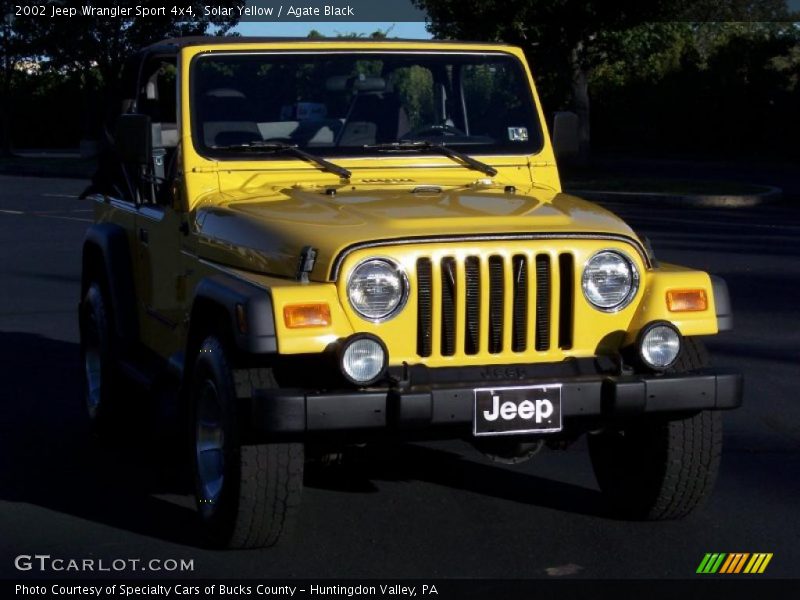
45 562
732 563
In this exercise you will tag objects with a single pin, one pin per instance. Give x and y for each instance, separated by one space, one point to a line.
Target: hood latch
308 256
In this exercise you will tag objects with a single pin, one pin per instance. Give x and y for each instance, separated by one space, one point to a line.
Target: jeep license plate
515 410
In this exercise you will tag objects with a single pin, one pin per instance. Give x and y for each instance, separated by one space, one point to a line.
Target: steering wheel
426 130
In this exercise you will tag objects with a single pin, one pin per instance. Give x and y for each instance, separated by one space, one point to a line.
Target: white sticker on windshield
518 134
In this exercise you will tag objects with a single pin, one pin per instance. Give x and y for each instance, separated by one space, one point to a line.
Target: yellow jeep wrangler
322 243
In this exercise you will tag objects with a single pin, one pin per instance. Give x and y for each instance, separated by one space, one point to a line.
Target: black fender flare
111 243
227 293
722 301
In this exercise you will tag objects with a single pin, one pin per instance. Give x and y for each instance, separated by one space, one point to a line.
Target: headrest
151 90
337 83
360 83
224 93
369 84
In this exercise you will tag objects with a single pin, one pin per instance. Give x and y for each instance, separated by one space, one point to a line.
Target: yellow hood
268 235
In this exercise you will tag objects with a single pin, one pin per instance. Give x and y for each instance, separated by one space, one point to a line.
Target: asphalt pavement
418 510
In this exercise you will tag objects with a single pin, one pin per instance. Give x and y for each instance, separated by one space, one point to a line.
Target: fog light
659 345
363 359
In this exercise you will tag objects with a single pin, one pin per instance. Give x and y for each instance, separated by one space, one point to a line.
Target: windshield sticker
518 134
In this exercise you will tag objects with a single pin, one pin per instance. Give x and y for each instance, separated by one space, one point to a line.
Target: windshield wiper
410 146
279 147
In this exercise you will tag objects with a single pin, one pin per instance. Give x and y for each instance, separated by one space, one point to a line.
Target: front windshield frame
534 144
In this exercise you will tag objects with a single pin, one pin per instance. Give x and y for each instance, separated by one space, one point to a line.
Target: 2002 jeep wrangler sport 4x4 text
322 243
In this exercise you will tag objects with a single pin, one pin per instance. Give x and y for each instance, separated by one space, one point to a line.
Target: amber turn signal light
687 300
297 316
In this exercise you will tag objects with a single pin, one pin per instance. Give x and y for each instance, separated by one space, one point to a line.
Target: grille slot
472 273
424 307
498 304
542 302
566 266
448 307
519 340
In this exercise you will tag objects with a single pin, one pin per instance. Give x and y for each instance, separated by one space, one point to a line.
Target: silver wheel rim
209 447
94 380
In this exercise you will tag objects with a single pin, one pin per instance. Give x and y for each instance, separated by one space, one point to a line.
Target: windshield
340 103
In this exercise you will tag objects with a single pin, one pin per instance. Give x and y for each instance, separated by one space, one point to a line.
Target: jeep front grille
494 304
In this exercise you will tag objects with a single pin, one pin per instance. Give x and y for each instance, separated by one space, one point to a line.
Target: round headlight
659 346
363 359
610 280
377 289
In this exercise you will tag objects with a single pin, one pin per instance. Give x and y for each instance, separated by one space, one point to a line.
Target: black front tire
660 469
247 495
100 379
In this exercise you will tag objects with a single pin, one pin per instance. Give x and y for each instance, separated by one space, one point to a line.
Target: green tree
378 34
726 89
95 48
566 41
14 49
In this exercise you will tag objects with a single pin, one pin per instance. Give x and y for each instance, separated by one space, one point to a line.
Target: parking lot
415 511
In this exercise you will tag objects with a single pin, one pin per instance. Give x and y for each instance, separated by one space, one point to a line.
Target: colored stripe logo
734 563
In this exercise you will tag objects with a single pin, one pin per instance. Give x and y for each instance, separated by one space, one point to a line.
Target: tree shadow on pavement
766 231
50 459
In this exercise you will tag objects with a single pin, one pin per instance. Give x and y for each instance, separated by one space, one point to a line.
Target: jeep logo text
503 373
541 409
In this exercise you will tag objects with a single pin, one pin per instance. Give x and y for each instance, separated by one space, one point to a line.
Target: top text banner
329 10
386 11
406 11
188 11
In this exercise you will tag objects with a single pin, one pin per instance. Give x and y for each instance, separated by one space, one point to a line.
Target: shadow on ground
52 460
410 462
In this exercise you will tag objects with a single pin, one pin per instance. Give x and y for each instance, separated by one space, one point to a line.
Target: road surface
433 510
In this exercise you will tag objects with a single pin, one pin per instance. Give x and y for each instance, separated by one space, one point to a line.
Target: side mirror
134 139
565 134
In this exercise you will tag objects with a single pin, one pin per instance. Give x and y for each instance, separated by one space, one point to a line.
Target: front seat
228 118
376 115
